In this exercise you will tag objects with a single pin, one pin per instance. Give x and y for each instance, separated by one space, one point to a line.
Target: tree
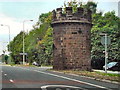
105 23
16 47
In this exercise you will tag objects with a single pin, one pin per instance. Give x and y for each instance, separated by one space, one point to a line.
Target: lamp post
9 41
9 34
24 40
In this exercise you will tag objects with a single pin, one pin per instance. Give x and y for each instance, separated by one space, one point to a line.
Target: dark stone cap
69 9
59 9
89 11
80 9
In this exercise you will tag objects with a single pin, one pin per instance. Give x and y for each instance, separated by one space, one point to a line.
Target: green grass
46 65
108 74
12 64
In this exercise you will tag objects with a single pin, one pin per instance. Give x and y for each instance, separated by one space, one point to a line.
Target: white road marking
98 86
5 74
11 80
1 71
65 86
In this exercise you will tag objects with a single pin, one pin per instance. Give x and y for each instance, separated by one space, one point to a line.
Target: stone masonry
71 34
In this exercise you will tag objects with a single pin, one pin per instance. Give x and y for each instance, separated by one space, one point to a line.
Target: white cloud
31 0
15 28
3 47
106 0
57 0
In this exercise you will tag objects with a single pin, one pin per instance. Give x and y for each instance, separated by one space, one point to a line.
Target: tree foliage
108 24
41 33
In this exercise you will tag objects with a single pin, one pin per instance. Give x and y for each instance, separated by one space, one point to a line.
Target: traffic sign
103 40
23 53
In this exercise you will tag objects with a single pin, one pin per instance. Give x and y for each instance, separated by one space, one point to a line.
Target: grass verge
96 75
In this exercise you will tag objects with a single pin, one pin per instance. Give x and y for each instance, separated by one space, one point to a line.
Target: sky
14 12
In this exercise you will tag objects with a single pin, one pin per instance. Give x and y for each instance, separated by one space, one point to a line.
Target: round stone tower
71 34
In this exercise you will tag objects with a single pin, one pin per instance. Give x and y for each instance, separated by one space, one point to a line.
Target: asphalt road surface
35 78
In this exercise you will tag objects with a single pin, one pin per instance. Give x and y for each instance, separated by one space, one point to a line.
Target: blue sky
26 10
32 10
14 12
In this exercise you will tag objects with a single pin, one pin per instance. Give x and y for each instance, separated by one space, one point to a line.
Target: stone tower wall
71 33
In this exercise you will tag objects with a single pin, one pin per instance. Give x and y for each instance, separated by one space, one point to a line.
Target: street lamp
9 34
24 41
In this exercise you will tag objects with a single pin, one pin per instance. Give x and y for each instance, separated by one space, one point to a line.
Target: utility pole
105 40
106 53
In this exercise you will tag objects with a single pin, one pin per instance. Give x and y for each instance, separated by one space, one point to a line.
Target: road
34 78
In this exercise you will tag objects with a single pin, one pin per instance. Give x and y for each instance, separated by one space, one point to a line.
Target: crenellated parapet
81 15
